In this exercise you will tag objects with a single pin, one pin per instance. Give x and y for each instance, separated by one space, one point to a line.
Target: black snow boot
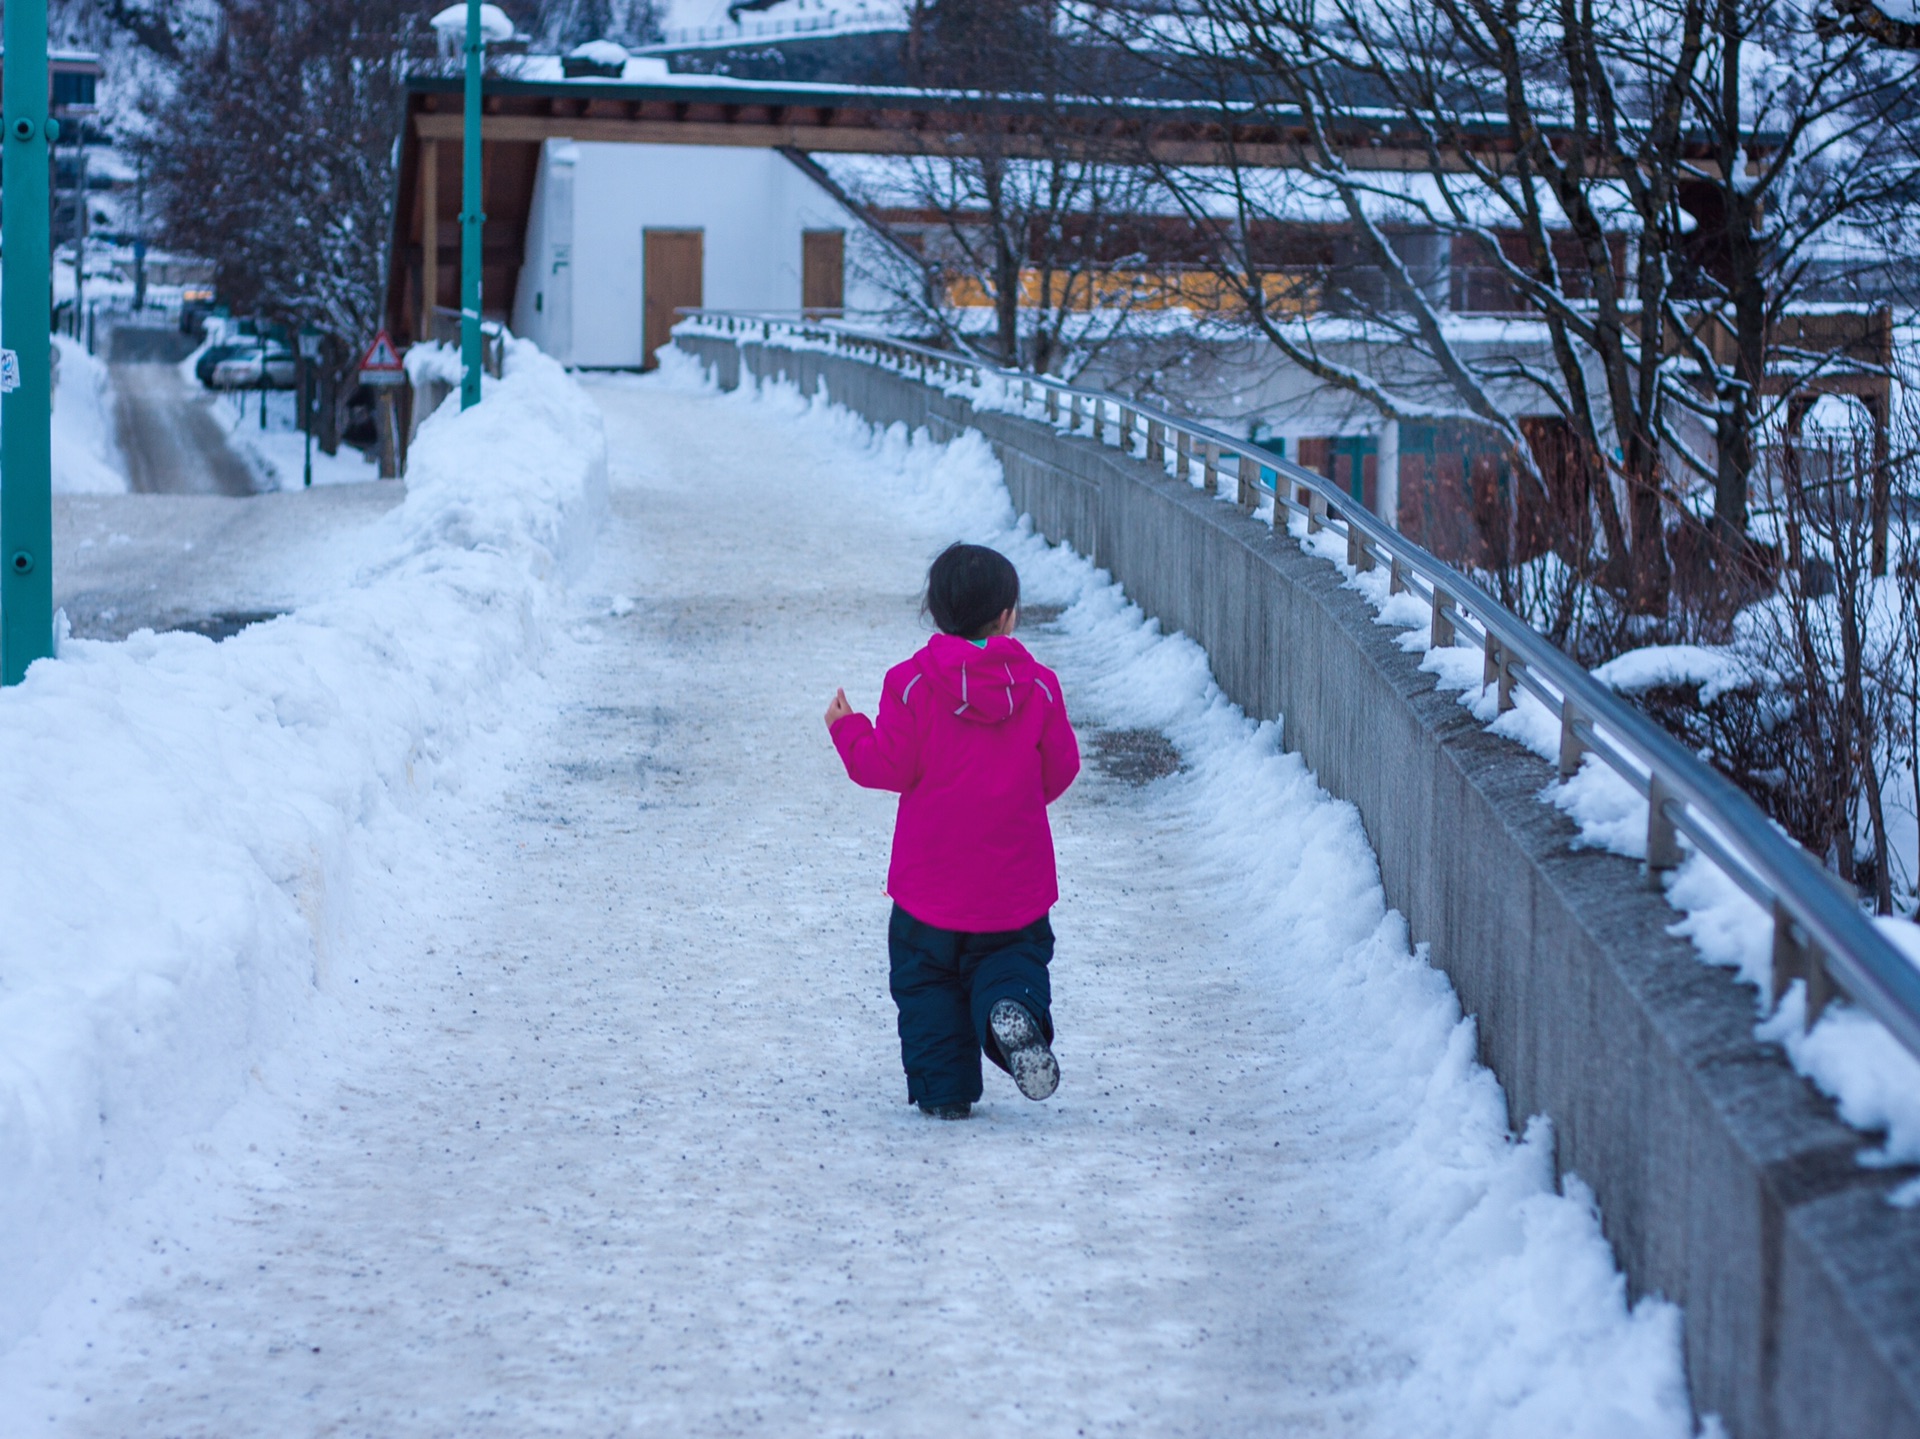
1025 1050
960 1109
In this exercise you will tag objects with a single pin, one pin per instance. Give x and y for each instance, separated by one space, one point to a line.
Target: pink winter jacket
977 745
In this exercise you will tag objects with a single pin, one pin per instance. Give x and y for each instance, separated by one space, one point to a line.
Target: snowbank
185 817
86 453
1498 1305
433 363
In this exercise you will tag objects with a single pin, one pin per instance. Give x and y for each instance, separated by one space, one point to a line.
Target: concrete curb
1725 1182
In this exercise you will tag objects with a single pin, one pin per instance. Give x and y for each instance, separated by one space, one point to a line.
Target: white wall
543 298
752 205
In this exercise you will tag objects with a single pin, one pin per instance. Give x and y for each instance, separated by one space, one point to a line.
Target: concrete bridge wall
1726 1183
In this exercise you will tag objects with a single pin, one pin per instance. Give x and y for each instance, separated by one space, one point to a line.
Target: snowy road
173 443
602 1129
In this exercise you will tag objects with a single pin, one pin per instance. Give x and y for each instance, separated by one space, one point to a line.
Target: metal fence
1820 934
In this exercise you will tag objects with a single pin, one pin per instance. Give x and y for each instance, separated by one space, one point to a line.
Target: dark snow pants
946 983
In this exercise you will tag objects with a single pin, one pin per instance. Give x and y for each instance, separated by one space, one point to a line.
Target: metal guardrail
1820 934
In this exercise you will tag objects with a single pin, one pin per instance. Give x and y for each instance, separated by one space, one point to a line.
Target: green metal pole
471 219
26 324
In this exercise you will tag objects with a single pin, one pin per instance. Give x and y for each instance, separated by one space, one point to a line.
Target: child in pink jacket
973 736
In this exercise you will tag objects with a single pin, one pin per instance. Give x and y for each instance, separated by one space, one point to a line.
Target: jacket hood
986 686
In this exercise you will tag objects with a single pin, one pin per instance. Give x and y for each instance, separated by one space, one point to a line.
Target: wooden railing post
1183 456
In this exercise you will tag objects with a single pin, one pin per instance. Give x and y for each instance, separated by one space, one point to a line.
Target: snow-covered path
602 1131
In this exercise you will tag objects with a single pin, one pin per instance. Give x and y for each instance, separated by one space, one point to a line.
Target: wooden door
823 271
671 273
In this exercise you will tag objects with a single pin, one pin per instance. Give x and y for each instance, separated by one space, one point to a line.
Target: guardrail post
1498 669
1026 393
1182 456
1572 751
1127 427
1396 581
1073 413
1358 555
1156 444
1663 840
1210 472
1795 956
1442 618
1099 420
1053 405
1316 511
1246 492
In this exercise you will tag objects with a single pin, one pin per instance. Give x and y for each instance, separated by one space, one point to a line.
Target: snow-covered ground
585 1115
86 456
277 452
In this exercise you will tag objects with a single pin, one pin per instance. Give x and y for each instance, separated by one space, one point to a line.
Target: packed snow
548 1012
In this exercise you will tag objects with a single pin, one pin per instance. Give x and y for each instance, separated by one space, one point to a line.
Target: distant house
73 82
619 194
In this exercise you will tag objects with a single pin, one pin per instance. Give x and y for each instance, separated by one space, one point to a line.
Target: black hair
968 588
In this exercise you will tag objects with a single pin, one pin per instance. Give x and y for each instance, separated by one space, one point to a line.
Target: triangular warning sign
381 354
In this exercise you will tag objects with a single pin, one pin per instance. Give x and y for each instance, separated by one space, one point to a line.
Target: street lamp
309 342
26 350
471 218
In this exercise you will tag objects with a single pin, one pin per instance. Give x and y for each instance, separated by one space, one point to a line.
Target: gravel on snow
603 1129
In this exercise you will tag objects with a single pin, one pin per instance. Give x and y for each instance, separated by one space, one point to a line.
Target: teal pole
471 219
26 324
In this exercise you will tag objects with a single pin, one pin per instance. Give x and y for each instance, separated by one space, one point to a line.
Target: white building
620 236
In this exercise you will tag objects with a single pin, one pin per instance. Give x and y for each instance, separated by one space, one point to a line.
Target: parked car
247 364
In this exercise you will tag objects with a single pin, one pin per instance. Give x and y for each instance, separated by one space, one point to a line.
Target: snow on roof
716 22
637 70
599 52
1388 197
494 24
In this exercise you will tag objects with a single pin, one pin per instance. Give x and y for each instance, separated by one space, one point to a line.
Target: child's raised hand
839 709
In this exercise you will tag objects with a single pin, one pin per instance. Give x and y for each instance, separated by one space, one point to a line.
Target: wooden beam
873 140
429 236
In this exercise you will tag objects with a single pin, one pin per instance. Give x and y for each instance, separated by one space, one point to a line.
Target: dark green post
471 219
26 323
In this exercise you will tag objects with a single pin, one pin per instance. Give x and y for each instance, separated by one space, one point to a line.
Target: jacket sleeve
885 755
1059 750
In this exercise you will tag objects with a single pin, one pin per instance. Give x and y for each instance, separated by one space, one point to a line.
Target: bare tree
1635 181
273 154
1010 211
